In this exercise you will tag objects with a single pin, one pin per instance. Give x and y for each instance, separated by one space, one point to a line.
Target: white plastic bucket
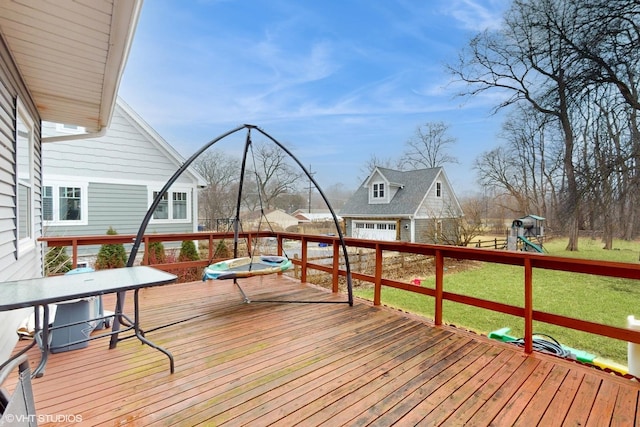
633 349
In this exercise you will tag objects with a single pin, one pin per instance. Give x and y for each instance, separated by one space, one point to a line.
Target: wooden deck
322 364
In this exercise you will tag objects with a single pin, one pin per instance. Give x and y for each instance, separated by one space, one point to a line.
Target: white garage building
410 206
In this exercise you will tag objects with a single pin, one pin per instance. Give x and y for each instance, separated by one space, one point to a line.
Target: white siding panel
29 263
123 152
438 207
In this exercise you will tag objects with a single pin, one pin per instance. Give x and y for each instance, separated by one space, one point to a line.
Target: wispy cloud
477 15
337 80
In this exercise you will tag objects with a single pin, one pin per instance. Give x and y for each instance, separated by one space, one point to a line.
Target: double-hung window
378 190
179 205
24 178
162 210
174 206
64 204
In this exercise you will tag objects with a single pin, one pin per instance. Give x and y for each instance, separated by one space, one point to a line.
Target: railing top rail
576 265
153 237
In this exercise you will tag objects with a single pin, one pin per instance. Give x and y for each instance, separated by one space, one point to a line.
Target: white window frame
27 243
376 189
438 189
174 200
84 203
170 202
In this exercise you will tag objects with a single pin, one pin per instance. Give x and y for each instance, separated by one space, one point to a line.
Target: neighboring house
274 219
413 206
91 185
63 67
316 215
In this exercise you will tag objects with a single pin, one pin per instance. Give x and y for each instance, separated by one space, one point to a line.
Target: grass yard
599 299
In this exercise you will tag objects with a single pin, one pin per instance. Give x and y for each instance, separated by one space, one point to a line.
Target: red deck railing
528 261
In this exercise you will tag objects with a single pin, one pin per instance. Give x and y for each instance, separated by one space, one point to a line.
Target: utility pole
310 187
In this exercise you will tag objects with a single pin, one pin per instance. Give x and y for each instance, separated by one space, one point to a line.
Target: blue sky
334 81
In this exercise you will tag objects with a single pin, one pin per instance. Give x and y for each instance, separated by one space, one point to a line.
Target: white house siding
123 153
119 172
26 264
438 207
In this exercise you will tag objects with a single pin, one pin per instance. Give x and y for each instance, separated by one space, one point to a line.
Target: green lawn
594 298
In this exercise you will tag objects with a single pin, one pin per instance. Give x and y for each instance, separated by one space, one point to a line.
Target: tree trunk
573 198
607 232
573 234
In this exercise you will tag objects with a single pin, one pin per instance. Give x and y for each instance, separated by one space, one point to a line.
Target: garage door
383 230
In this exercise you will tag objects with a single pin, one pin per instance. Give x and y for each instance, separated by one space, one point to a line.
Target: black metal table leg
117 320
141 337
44 345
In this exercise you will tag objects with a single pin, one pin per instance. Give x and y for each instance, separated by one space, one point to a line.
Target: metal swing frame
187 163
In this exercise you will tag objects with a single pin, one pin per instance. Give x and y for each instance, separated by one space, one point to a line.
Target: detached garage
409 206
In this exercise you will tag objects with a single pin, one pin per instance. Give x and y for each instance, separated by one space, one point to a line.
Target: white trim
178 189
124 21
84 202
378 190
117 181
385 191
170 152
28 243
413 230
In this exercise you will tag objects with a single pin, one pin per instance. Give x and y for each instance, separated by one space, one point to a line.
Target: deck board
543 396
322 364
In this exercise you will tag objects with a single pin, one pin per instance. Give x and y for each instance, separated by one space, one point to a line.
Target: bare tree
450 228
222 172
472 224
607 162
271 174
528 165
428 147
606 42
530 62
374 161
496 169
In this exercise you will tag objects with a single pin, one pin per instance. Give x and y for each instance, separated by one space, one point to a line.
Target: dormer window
378 190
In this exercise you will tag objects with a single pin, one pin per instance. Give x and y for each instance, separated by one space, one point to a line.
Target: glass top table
40 292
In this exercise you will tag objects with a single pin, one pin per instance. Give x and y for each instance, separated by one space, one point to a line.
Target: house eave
71 55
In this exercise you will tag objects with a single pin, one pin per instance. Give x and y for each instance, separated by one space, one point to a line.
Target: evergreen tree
111 255
188 251
156 253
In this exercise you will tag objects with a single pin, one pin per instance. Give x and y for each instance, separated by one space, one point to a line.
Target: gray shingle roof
414 185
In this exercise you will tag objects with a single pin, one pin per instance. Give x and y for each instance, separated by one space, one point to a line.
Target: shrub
188 251
111 255
56 261
222 251
156 253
